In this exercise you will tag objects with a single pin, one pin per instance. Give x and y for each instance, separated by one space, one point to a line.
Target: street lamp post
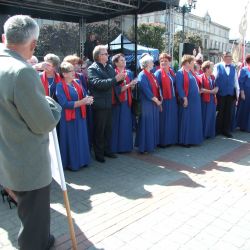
186 8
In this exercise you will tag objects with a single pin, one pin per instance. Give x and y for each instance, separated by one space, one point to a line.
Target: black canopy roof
73 10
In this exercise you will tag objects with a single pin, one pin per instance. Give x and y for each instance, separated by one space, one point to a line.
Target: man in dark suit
227 81
89 46
102 78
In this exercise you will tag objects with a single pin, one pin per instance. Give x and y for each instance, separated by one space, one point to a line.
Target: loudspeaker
188 48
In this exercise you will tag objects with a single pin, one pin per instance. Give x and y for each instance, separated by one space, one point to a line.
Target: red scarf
153 82
122 96
166 84
70 114
186 81
45 82
206 85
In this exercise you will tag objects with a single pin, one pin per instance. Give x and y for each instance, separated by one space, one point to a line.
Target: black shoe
100 159
228 135
4 194
11 201
51 241
110 155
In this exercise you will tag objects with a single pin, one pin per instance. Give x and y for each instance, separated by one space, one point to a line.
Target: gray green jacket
26 118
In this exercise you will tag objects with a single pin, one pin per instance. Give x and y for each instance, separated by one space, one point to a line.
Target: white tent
129 47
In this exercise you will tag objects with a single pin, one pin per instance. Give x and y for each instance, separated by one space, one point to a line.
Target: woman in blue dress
73 136
244 103
169 115
122 130
77 62
190 117
49 77
147 135
208 100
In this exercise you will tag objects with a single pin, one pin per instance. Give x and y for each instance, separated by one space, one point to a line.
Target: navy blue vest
225 82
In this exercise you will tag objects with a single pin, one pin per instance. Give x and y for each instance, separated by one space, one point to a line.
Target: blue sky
225 12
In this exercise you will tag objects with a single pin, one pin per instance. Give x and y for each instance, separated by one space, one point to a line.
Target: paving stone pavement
176 198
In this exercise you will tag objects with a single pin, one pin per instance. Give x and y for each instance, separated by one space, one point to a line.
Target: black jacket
101 80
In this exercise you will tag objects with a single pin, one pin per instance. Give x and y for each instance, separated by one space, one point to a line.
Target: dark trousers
102 119
33 210
224 116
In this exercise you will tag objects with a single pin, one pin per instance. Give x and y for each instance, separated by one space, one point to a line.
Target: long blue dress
169 115
190 118
244 105
147 134
122 130
73 136
209 113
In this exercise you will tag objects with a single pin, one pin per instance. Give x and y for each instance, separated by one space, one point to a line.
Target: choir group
183 107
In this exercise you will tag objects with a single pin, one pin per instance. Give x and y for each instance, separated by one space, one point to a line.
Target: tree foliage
151 35
188 38
61 39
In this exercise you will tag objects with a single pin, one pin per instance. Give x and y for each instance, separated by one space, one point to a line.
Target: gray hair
33 60
144 61
54 59
97 51
20 29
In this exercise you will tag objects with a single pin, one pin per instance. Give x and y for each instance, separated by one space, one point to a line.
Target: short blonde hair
65 67
145 59
187 58
97 51
73 59
206 65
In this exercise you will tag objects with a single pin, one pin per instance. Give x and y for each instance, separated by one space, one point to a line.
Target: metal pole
183 23
136 28
167 36
82 33
108 35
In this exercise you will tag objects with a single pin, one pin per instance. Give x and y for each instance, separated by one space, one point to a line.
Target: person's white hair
20 29
145 60
97 51
33 60
54 59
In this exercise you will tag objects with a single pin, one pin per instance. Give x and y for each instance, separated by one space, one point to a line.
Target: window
211 44
205 43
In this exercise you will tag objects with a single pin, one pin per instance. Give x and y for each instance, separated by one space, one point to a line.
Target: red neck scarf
166 84
45 82
122 96
206 85
70 114
186 80
153 83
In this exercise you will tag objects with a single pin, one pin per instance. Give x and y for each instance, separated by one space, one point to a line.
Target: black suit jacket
101 81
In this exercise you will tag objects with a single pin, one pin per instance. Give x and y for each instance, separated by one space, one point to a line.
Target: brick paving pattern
173 199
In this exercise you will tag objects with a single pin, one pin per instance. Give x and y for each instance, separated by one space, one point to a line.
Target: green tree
189 37
152 35
61 39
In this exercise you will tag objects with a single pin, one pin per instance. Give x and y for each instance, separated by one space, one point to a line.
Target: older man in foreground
27 117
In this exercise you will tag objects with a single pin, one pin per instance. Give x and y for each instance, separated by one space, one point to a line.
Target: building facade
215 37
